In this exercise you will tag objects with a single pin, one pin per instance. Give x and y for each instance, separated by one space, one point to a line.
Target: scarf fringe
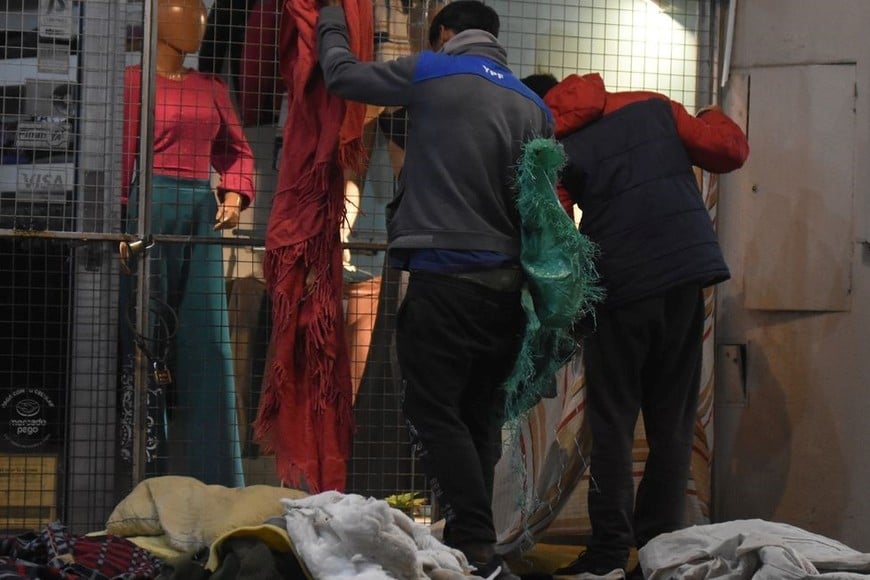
318 308
288 304
270 405
310 186
306 413
353 155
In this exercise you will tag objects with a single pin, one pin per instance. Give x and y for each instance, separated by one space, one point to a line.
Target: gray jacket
468 117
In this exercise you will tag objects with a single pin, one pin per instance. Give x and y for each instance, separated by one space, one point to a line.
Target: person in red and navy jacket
630 171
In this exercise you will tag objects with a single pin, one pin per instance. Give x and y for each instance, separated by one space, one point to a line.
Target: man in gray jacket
454 226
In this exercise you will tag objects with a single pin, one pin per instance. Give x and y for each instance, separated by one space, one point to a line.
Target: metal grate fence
83 344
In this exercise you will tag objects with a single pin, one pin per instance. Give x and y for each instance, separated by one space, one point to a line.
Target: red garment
711 139
195 128
305 413
258 74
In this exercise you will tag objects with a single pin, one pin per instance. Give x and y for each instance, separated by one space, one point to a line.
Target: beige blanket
190 515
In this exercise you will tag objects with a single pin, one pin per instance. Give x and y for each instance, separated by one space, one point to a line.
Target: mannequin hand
129 248
228 211
124 256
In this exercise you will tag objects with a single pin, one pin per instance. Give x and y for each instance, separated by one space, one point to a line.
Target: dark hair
464 15
540 83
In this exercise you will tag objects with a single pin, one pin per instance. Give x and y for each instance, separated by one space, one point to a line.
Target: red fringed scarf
305 415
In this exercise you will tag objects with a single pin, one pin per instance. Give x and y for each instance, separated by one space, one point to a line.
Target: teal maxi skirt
203 431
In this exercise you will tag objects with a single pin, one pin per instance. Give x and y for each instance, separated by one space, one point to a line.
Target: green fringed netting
562 287
562 282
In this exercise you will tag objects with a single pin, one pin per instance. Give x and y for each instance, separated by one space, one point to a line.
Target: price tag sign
55 19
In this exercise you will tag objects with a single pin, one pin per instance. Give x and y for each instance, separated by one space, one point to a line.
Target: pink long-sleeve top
195 128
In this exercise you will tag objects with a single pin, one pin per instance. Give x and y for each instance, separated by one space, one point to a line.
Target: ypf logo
27 413
493 73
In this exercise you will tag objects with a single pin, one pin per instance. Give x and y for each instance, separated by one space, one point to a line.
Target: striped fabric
55 554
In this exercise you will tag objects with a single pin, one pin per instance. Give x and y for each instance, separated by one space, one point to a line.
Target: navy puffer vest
632 178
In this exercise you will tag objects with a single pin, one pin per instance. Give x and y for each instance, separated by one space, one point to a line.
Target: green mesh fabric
562 283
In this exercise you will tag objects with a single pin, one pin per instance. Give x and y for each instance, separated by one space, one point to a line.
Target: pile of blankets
179 528
195 528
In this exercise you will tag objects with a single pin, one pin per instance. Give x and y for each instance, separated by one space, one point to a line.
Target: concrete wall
793 329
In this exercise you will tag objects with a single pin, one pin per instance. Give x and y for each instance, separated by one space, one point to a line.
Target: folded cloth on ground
272 534
262 552
192 514
349 536
755 549
249 558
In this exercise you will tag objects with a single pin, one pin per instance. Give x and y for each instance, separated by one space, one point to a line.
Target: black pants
642 357
456 343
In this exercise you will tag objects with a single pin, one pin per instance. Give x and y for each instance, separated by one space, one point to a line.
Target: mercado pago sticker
27 417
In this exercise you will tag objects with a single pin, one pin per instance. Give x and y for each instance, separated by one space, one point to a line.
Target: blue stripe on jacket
433 65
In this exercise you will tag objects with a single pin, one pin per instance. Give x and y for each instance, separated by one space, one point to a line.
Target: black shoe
592 564
495 569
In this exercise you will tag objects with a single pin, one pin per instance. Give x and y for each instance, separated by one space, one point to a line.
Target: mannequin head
180 25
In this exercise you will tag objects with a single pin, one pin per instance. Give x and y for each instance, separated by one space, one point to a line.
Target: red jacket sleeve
714 142
231 155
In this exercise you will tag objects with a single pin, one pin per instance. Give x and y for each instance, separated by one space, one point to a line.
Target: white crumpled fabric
349 536
750 549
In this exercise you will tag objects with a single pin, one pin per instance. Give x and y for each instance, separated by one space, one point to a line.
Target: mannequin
400 29
196 129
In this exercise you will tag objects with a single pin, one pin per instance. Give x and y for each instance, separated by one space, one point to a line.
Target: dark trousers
644 357
456 342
